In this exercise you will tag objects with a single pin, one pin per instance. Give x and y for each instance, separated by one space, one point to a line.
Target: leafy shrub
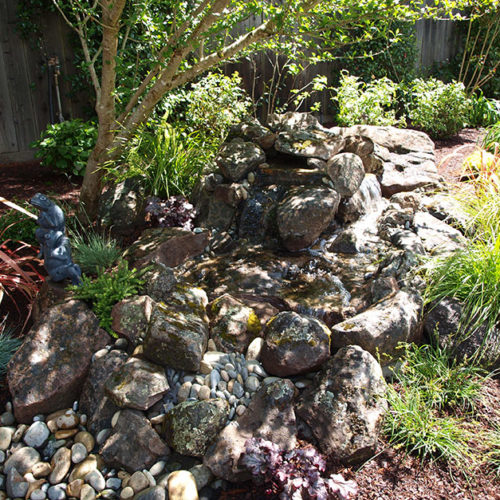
483 112
295 474
94 251
209 106
67 145
438 108
165 157
366 103
107 289
174 212
8 346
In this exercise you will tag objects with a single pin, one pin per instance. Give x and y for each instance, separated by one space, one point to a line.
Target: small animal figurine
54 245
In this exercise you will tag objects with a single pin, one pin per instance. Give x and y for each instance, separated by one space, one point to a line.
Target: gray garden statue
54 246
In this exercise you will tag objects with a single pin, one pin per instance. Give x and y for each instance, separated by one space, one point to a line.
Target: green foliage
483 112
493 453
209 106
167 159
428 382
107 289
94 251
437 108
366 103
8 346
15 226
67 145
491 141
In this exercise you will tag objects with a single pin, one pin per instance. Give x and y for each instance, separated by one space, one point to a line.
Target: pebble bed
56 457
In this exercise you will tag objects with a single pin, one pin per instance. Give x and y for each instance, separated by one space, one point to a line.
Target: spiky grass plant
8 346
95 251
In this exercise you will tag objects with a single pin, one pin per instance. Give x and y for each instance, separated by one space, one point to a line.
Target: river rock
270 416
154 493
233 325
383 326
94 400
22 460
131 317
315 205
133 444
182 486
345 406
346 172
36 435
178 333
238 157
61 462
138 384
294 344
48 370
16 485
6 434
190 427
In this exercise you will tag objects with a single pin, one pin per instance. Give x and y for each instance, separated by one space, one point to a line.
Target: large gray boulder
346 172
138 384
294 344
269 416
238 157
131 317
48 370
192 426
383 326
304 214
309 143
178 332
437 236
344 406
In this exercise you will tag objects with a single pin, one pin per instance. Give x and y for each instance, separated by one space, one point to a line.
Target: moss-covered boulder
178 332
234 325
294 344
192 426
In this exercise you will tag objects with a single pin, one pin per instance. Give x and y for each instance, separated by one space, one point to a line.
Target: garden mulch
391 475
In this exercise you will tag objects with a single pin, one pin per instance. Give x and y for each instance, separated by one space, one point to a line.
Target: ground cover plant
107 289
8 345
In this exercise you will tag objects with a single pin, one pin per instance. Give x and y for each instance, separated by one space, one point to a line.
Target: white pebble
78 453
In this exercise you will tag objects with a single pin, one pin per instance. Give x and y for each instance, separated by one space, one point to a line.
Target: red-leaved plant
294 475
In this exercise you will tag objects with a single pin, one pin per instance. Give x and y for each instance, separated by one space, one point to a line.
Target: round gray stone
37 434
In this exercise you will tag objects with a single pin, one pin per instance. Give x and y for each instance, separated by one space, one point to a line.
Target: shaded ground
391 475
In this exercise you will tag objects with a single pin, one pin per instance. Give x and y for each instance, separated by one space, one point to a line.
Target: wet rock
294 344
270 416
383 326
169 246
178 333
182 486
345 406
366 199
346 172
317 206
48 370
237 158
233 325
131 317
311 143
134 444
138 384
442 323
190 427
94 401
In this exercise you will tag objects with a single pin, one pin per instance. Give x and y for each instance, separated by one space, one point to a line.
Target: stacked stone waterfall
268 320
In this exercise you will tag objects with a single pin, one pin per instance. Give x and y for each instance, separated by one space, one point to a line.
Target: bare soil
391 475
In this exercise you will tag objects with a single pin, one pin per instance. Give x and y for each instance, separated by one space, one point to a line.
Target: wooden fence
24 97
25 108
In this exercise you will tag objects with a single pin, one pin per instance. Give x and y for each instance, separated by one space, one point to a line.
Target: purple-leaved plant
296 474
174 212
